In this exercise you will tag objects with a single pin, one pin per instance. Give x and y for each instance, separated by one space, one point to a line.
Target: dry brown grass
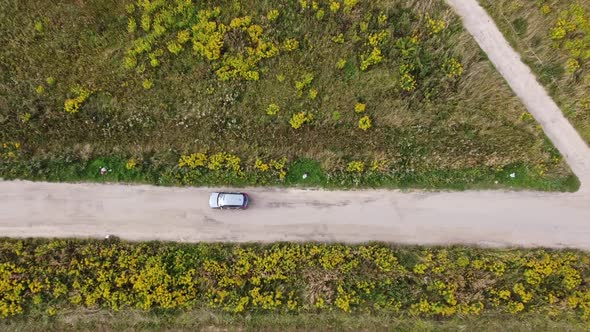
529 31
208 320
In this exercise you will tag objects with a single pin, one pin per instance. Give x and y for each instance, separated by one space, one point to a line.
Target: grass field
553 38
52 283
211 320
357 93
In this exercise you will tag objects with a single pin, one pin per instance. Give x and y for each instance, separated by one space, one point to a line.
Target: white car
228 201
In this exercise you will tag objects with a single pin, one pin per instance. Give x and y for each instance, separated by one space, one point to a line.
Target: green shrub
520 25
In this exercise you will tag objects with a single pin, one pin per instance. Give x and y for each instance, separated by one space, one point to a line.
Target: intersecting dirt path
488 218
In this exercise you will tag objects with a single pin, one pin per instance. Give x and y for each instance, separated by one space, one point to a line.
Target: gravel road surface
488 218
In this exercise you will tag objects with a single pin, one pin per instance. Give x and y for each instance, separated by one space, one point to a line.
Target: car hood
213 200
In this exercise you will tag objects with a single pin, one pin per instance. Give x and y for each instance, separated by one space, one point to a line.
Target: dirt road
180 214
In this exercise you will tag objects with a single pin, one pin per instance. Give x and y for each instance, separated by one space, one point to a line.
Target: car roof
231 199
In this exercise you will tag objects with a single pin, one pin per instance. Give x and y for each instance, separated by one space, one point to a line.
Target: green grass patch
306 172
520 26
164 172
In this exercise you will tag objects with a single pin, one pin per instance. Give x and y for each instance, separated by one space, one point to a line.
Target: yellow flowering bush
313 93
131 25
9 150
453 68
522 293
334 6
338 39
365 123
545 9
130 164
407 81
378 38
572 65
364 26
344 299
371 58
130 62
515 307
279 166
272 109
305 81
382 19
39 26
319 15
55 275
299 119
349 5
240 22
11 290
559 30
147 84
183 36
290 44
272 15
154 62
355 167
72 105
174 47
360 107
193 160
435 26
226 160
261 166
145 22
26 117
